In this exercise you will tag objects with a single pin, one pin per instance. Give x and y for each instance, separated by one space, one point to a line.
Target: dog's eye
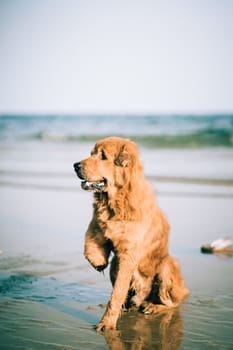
103 156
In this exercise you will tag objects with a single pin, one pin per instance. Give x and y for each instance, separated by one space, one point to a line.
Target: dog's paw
100 267
105 325
99 264
149 308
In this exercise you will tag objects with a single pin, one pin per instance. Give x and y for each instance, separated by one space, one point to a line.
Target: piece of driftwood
219 246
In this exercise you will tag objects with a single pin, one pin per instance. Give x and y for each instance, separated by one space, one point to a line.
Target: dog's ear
122 159
126 156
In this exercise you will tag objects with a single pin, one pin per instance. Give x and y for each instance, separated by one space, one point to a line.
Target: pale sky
116 56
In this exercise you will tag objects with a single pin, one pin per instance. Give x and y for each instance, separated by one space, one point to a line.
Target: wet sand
50 295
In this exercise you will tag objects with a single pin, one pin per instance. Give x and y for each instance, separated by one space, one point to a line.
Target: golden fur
128 222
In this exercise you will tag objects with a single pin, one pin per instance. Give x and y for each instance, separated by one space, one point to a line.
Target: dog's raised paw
100 267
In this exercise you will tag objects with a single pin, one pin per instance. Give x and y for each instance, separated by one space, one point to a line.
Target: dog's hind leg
169 289
172 290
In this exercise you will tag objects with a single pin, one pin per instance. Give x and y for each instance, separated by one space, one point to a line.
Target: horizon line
114 114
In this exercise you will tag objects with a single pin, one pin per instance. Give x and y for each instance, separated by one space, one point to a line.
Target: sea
165 131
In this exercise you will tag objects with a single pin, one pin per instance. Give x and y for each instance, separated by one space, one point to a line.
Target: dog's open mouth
96 186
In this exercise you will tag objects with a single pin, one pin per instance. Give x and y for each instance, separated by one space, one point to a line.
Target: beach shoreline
43 246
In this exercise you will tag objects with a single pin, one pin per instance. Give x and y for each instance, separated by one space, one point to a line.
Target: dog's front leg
97 248
118 296
97 251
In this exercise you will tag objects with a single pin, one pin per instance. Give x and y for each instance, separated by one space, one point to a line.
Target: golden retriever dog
128 222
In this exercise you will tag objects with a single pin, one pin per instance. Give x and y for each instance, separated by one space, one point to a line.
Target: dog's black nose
77 166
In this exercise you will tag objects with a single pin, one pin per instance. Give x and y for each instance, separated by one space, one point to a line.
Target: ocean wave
149 131
205 138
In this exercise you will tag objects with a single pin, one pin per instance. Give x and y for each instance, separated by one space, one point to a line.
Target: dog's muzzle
87 185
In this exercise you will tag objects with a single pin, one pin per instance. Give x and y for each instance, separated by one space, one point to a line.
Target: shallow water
204 321
31 325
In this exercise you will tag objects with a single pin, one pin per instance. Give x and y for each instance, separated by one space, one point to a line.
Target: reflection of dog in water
158 332
128 222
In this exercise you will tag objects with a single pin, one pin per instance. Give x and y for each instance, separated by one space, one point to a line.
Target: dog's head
111 164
